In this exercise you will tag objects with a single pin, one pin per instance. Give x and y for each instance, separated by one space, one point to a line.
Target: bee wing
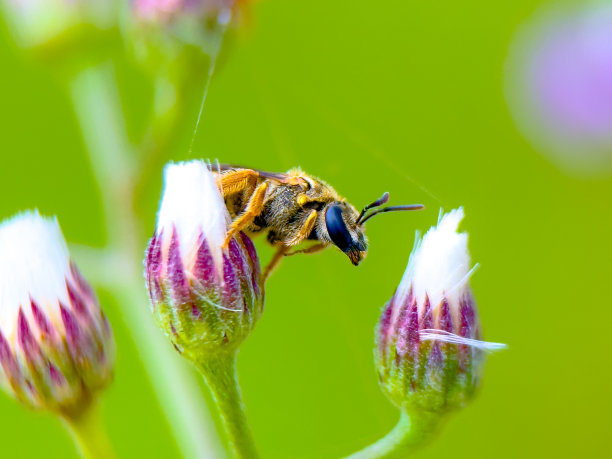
279 177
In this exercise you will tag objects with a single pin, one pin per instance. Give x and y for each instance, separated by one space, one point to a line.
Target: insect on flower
205 297
294 207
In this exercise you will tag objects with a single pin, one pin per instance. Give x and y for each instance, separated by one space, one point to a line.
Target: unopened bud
205 295
428 349
56 345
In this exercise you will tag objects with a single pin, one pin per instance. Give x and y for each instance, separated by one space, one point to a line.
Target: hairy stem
98 109
88 432
220 374
411 433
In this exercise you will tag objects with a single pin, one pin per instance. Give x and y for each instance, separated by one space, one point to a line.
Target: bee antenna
390 209
379 202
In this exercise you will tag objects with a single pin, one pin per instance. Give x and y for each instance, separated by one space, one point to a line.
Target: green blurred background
398 96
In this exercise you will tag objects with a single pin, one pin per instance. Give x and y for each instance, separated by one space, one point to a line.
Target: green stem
411 433
220 374
98 110
89 434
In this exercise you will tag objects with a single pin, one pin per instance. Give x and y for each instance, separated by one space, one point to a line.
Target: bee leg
278 256
237 181
302 234
312 249
305 229
253 209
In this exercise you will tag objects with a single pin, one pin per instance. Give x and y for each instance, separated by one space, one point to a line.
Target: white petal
192 204
431 334
34 263
439 264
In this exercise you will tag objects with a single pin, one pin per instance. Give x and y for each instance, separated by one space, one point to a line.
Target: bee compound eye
337 229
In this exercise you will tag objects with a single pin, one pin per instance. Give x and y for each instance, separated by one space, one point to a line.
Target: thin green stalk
411 433
220 374
98 110
89 433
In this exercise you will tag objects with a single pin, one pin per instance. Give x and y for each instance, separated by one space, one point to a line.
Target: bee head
345 227
344 231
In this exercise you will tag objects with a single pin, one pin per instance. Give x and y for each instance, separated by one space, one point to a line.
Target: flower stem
88 432
411 432
98 110
220 374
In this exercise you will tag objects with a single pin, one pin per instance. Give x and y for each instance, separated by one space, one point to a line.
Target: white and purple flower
428 349
206 297
56 345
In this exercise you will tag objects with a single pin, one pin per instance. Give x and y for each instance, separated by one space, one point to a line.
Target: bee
294 207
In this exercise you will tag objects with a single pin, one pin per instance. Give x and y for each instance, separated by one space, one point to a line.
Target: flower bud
56 345
205 296
428 350
178 43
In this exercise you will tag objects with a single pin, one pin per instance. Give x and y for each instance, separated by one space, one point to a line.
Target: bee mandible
294 207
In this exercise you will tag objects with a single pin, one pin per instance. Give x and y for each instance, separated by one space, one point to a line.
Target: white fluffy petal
192 204
34 263
439 265
431 334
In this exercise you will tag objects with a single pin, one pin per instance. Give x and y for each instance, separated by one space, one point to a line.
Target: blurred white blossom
38 22
56 345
